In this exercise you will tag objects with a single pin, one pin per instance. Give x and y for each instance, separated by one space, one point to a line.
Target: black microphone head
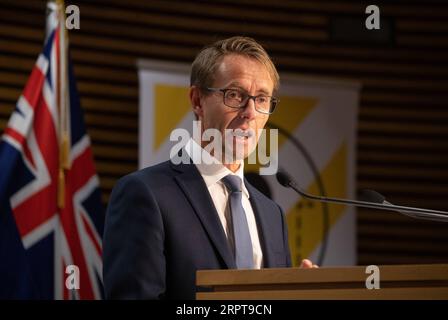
368 195
284 179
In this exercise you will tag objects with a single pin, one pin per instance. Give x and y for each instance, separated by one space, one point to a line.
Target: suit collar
192 184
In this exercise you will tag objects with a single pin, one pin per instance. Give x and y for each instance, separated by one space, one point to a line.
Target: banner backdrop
316 121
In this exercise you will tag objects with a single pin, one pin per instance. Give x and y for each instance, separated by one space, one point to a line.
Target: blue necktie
241 235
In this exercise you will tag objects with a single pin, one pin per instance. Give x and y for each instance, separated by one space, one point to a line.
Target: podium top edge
390 273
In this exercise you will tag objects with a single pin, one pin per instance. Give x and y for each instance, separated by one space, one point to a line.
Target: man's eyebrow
235 84
264 91
239 86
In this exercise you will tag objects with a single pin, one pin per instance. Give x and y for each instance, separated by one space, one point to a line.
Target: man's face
251 76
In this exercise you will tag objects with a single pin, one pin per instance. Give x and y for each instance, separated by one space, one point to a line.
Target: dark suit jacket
162 226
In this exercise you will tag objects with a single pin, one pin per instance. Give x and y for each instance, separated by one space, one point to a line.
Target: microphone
370 199
418 213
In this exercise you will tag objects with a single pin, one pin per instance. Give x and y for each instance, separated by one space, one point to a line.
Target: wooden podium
405 282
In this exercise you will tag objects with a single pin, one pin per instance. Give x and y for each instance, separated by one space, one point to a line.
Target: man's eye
262 99
234 94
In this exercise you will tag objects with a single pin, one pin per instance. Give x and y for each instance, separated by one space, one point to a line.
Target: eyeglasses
238 99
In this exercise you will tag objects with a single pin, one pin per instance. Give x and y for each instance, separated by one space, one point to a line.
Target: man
167 221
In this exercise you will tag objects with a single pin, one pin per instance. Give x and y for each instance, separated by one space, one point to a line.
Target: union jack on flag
50 206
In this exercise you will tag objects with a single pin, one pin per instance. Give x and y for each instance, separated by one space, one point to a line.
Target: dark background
403 134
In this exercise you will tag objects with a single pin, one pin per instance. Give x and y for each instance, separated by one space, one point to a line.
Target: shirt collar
211 171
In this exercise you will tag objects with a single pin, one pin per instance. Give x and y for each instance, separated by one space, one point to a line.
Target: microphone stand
419 213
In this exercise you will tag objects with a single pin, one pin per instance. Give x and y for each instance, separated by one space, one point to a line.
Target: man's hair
208 59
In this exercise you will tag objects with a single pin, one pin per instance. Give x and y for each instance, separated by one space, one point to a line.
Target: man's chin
239 153
234 158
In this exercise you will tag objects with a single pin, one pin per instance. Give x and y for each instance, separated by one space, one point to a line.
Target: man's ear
195 100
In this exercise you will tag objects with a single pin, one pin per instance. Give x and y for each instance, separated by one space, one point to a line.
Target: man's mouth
243 134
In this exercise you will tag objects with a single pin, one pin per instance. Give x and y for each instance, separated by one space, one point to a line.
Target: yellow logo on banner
305 219
171 106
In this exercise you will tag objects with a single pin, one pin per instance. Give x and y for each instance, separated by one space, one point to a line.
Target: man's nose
249 112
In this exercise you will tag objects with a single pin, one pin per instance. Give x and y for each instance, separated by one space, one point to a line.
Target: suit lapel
262 218
192 184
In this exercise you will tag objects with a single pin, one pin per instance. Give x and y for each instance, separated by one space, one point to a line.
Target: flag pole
63 101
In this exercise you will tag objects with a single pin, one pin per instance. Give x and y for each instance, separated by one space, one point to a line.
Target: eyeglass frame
224 90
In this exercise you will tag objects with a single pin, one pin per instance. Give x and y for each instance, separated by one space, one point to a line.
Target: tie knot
232 182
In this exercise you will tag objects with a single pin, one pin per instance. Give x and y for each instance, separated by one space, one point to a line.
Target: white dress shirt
212 173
